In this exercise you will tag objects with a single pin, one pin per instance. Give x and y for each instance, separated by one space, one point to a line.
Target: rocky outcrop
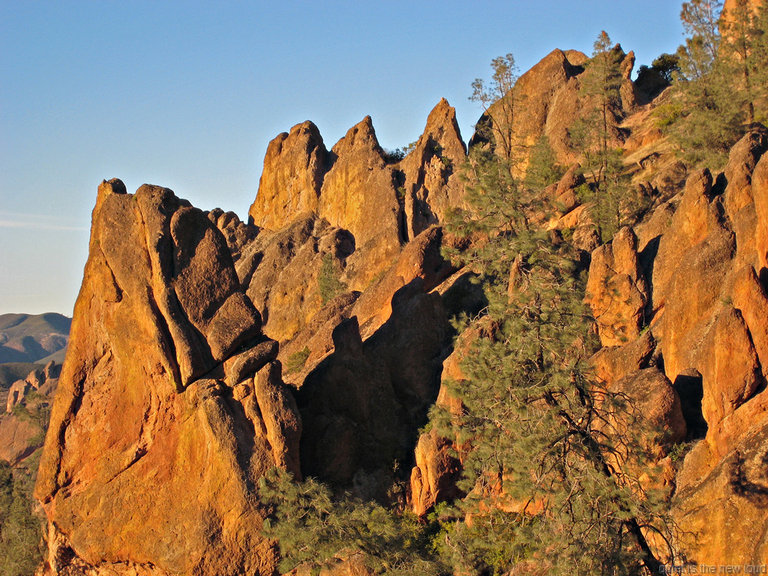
173 401
430 172
34 381
420 259
437 467
693 258
350 202
237 233
723 511
294 166
351 188
617 289
548 100
702 253
22 427
170 405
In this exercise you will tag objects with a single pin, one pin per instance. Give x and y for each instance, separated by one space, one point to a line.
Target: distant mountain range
37 338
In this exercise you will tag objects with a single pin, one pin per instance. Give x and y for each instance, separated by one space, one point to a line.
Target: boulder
653 408
237 234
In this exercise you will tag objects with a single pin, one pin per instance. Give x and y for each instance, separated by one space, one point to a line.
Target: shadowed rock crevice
363 404
690 388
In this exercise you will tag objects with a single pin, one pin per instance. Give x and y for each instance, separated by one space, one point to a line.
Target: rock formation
431 185
170 405
22 427
549 101
293 172
205 350
34 381
348 202
706 326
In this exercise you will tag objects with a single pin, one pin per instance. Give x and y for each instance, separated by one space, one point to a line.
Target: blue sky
188 95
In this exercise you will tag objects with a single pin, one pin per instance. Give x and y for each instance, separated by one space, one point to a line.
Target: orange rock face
293 172
704 254
148 465
431 185
349 205
359 195
617 290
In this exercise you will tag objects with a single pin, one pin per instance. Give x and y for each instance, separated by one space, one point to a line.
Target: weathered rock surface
283 272
421 258
359 194
617 290
293 172
151 456
723 511
702 251
654 403
351 188
431 185
237 234
693 258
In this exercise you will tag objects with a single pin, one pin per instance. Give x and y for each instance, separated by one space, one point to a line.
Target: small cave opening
690 387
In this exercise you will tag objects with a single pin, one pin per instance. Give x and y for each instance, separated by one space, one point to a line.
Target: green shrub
328 281
20 530
297 360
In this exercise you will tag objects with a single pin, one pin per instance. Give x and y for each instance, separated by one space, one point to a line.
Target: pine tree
546 472
736 57
759 68
542 169
609 191
498 102
315 528
20 530
719 86
700 20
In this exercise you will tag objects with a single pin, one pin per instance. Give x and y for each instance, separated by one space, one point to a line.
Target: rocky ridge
37 338
205 350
